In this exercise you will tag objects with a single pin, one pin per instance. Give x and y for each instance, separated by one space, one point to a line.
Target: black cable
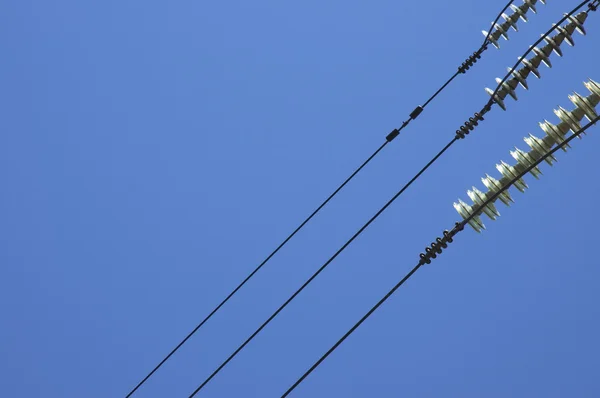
214 311
293 296
389 138
459 227
349 332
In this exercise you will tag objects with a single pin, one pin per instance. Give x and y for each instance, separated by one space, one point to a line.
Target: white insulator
554 132
502 31
578 25
540 146
496 98
494 186
525 159
585 105
508 88
530 66
465 212
491 38
555 47
568 117
593 87
479 198
522 14
511 21
517 75
509 172
530 4
545 59
566 35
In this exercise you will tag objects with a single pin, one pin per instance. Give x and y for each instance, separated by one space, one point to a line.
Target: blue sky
153 153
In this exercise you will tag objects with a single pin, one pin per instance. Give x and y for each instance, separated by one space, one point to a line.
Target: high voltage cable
469 62
461 133
449 236
309 280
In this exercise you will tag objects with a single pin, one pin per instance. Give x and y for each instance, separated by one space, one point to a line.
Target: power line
297 292
425 259
466 65
460 134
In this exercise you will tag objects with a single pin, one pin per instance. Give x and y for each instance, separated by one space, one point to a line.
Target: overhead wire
457 228
460 134
471 60
322 268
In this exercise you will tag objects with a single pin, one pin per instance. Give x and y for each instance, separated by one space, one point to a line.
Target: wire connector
469 126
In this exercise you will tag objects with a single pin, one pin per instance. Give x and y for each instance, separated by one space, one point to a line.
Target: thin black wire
441 89
563 19
293 296
233 292
257 269
458 228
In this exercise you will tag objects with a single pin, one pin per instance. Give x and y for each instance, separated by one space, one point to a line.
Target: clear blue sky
153 153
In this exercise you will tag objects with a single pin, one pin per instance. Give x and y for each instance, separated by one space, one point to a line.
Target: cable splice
555 135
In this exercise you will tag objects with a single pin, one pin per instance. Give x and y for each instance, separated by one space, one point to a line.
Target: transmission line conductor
510 21
585 107
541 56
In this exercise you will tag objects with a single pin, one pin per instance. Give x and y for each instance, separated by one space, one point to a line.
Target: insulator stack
501 29
519 77
585 107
